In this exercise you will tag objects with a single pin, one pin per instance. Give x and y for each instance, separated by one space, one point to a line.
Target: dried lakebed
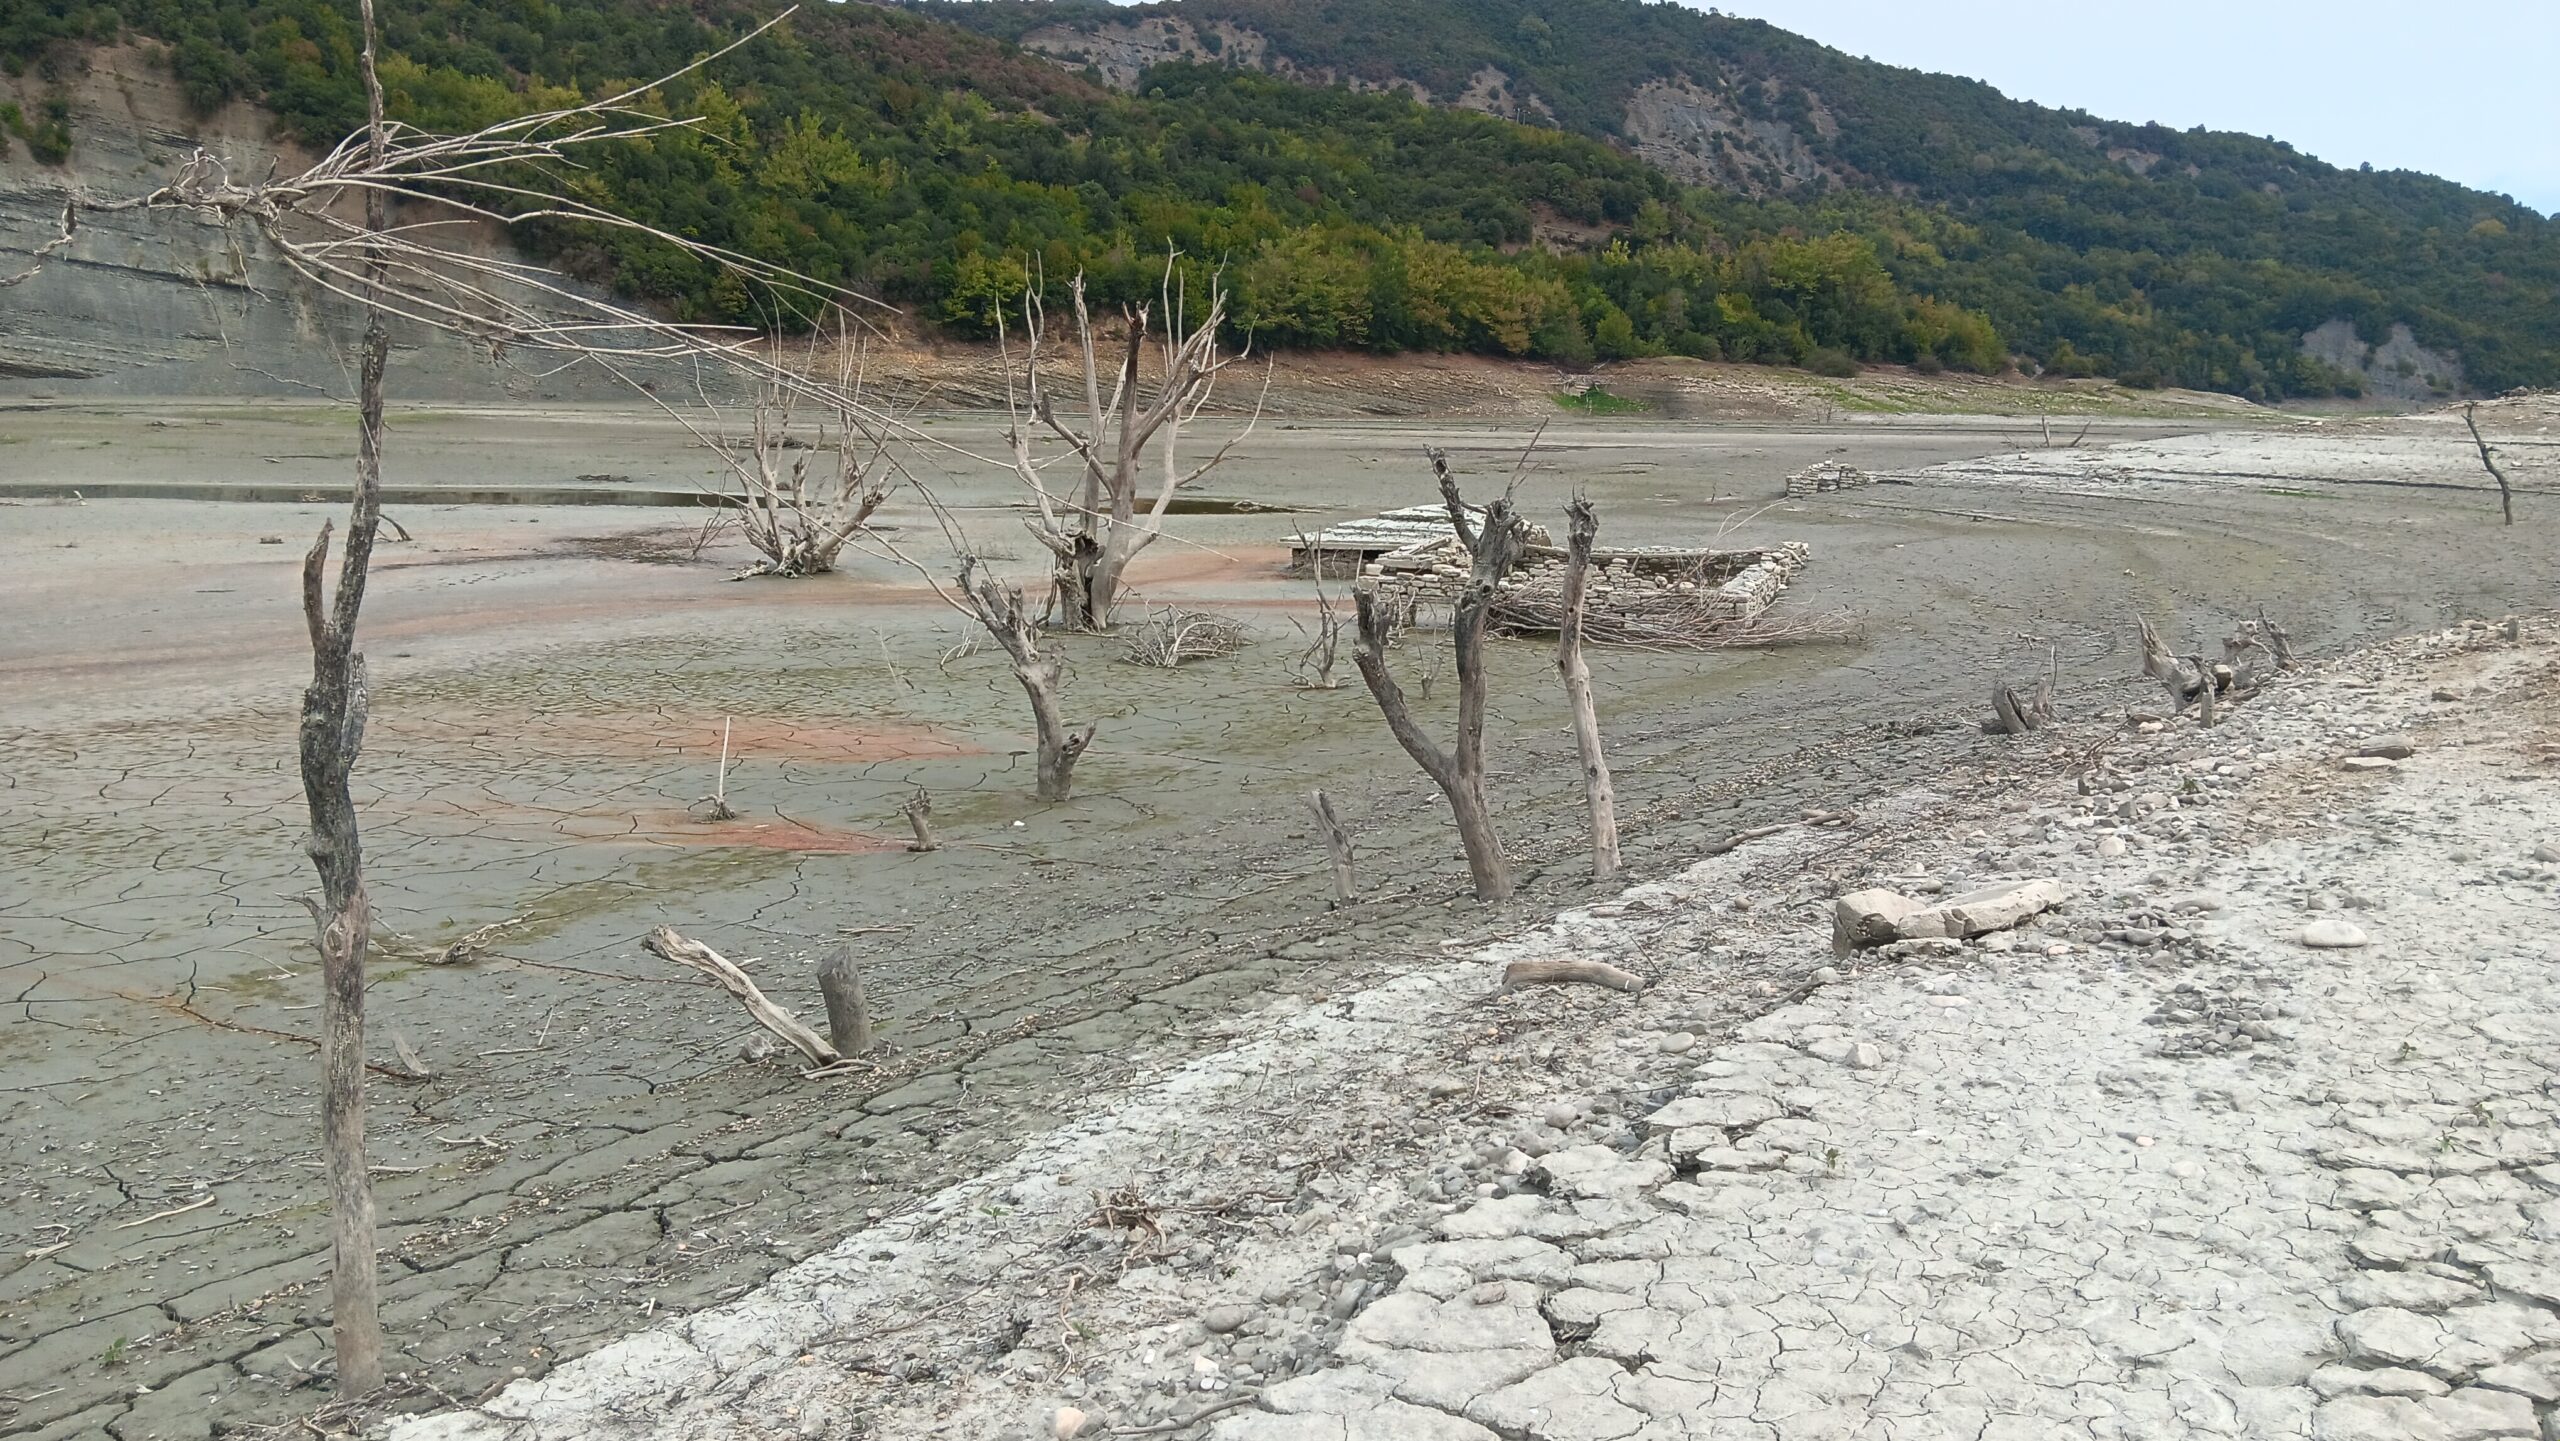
2149 1168
591 1154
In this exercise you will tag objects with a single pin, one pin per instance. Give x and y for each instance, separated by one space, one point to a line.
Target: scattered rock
2111 848
1868 918
1068 1423
1993 908
1728 1110
2333 935
2547 854
2368 764
2389 748
1597 1171
1225 1320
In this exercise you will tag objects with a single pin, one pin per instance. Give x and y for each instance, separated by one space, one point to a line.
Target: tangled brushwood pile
1171 636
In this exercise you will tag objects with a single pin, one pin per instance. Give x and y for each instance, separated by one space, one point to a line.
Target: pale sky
2465 89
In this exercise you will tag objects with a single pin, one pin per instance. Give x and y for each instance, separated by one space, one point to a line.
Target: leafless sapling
2506 494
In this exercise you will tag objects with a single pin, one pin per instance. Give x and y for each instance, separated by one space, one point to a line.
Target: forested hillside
940 167
2196 256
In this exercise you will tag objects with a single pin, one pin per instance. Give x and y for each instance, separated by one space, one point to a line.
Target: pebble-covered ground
2252 1136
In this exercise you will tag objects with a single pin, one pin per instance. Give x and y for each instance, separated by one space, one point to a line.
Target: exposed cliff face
1695 133
1120 51
2397 369
164 304
1703 137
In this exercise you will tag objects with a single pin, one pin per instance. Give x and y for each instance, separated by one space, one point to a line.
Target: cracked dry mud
592 1156
1960 1191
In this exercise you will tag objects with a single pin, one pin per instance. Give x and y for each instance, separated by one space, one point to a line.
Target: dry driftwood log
1599 793
1337 847
1557 973
848 1009
665 943
1459 772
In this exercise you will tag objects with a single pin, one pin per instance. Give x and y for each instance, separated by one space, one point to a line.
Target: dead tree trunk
1459 773
2007 713
1337 847
1596 786
999 608
2164 667
1094 532
848 1009
919 813
332 734
2506 496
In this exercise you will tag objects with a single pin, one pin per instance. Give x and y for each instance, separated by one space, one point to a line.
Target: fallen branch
197 1205
1741 838
667 945
1558 973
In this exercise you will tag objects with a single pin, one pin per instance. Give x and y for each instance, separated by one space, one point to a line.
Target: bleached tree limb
1599 793
667 945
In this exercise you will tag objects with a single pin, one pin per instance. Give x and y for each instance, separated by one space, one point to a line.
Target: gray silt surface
549 685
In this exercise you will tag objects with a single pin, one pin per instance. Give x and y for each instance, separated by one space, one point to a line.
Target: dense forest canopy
945 169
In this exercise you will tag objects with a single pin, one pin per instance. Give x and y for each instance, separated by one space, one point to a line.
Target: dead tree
798 523
1493 547
999 607
417 273
848 1007
2159 663
1337 847
334 707
1583 531
1095 528
1312 669
2013 716
919 813
2506 495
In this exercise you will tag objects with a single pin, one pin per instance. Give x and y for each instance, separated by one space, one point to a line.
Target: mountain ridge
1743 106
1853 213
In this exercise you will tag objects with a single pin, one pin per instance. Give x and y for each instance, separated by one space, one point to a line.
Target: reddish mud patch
671 736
